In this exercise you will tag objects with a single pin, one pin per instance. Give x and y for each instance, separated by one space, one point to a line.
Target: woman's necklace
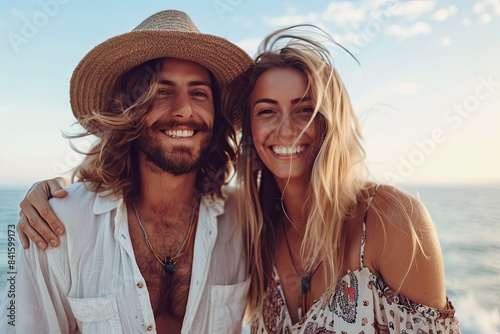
305 281
170 261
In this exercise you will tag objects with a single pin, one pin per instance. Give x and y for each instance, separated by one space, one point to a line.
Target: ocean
467 220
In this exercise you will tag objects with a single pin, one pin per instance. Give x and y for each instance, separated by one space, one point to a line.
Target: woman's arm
37 221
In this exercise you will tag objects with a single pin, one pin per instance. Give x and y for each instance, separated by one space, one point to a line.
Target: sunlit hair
338 173
112 163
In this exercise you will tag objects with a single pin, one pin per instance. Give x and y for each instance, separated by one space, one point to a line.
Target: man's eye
163 92
203 94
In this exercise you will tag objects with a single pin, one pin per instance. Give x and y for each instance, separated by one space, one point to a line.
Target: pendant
169 265
305 283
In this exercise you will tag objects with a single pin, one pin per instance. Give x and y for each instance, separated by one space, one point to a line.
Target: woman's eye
306 110
265 112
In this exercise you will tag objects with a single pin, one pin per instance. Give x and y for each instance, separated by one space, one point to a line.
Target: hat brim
95 76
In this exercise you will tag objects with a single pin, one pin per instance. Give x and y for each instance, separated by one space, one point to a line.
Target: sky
426 91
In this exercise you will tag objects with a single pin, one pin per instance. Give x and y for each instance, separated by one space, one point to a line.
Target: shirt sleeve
8 307
38 303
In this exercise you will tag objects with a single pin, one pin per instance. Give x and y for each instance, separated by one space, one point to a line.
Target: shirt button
140 285
150 328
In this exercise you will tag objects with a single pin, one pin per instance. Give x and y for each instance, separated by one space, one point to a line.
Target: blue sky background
427 90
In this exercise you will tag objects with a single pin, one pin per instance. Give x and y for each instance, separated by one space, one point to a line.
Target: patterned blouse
362 304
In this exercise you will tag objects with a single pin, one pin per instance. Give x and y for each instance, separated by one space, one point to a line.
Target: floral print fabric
362 304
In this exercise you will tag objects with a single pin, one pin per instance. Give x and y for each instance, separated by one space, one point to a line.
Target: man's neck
165 195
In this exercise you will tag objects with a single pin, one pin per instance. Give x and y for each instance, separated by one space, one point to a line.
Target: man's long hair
112 163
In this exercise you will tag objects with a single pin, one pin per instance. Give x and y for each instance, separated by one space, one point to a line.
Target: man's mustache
171 124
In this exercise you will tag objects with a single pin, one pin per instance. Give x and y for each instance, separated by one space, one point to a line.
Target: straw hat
169 33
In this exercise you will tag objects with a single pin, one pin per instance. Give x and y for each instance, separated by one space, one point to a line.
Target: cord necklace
305 281
169 262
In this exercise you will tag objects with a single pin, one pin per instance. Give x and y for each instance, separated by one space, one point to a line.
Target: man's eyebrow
200 83
191 83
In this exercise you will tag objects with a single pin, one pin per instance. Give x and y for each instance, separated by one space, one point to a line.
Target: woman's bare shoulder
403 248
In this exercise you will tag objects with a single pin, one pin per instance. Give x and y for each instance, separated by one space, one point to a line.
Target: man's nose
182 107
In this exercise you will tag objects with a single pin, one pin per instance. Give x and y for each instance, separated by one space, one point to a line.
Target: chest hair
168 293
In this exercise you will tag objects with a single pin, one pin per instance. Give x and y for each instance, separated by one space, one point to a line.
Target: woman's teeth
281 150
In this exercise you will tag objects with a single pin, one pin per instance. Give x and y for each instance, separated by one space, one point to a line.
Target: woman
330 251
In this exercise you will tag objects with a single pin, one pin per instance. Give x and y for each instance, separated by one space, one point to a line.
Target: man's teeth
281 150
179 133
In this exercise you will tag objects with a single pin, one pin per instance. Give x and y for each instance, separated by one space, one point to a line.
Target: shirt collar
214 205
106 201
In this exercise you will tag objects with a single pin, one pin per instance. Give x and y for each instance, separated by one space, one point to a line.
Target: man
151 243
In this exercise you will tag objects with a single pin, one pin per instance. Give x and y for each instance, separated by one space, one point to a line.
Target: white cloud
445 41
363 21
408 31
344 14
350 38
404 88
481 6
376 4
291 20
466 22
250 45
444 13
485 18
412 9
478 7
496 6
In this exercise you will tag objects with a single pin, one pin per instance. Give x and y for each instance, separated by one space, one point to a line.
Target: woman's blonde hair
335 180
111 164
339 176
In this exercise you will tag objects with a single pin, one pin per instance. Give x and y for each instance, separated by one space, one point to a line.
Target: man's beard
179 159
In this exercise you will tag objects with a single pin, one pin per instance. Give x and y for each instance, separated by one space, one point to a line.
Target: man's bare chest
168 289
168 293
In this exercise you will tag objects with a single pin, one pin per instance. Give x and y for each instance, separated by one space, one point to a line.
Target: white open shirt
91 283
